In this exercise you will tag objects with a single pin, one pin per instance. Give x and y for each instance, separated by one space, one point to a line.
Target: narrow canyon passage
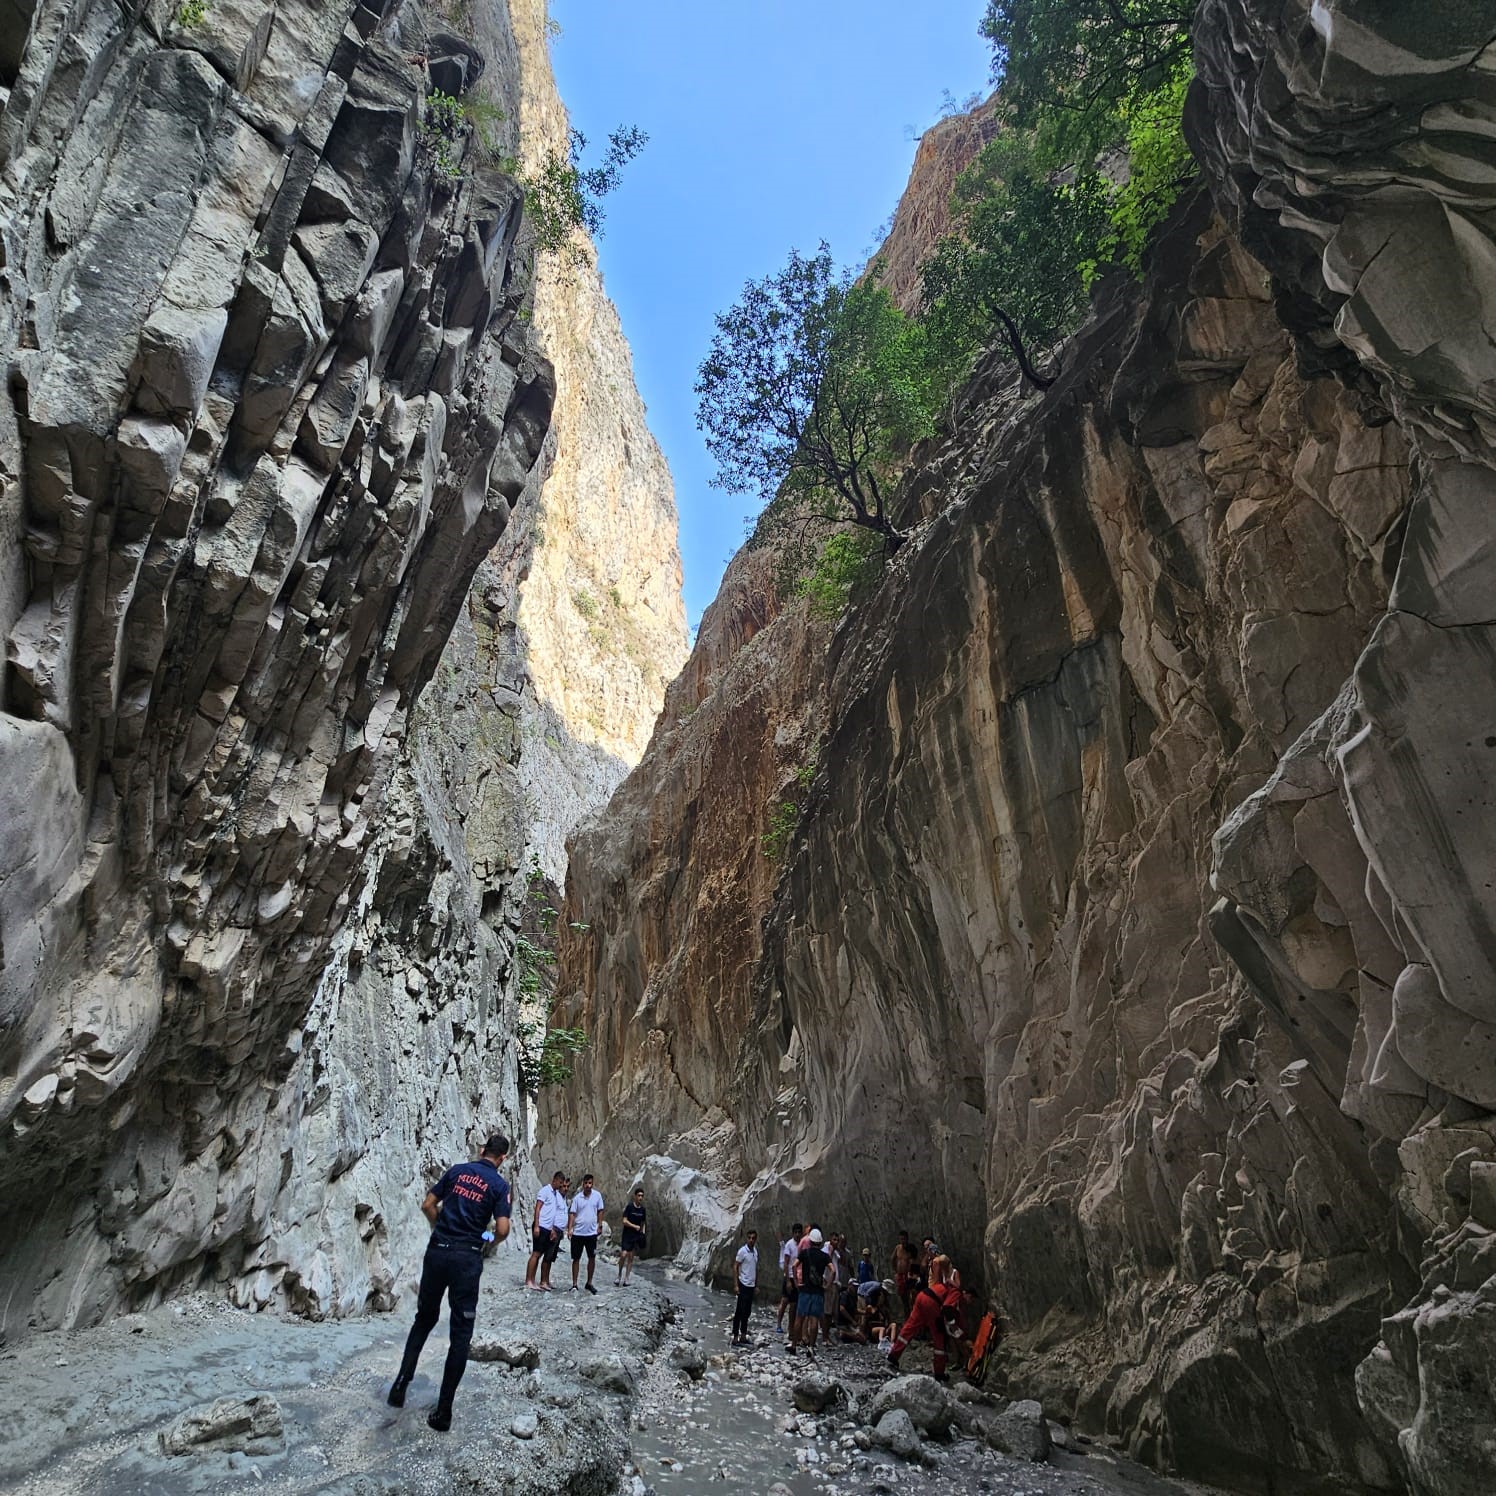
1065 836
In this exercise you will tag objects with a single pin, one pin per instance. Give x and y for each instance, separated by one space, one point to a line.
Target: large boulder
611 1373
689 1357
817 1393
931 1407
1019 1430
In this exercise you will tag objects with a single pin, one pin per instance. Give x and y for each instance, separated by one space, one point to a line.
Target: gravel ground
84 1412
630 1391
736 1430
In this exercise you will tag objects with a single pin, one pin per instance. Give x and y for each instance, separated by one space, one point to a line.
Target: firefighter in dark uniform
459 1206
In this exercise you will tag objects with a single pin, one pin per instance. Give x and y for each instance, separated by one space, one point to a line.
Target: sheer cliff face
601 619
1135 933
275 398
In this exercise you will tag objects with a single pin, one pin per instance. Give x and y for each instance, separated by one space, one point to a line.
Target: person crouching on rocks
635 1225
937 1307
583 1227
459 1206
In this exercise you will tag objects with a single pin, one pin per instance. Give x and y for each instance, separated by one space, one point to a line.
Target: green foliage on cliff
776 839
544 1053
561 196
192 12
1070 69
564 195
813 390
847 566
1090 160
1012 265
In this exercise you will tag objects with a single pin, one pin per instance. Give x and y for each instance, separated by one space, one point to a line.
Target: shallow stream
736 1430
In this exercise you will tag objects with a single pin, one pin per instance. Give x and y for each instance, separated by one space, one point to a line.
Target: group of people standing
579 1218
823 1291
822 1288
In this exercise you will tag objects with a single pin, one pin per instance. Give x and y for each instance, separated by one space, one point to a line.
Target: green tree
1067 67
814 389
1090 159
1012 267
564 194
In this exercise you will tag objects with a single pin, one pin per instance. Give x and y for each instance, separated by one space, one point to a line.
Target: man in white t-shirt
548 1223
789 1250
745 1274
583 1226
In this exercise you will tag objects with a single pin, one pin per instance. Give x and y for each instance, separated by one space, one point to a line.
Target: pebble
525 1425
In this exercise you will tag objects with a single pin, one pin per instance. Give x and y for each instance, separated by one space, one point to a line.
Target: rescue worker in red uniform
936 1308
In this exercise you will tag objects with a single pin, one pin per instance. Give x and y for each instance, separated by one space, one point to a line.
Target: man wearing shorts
545 1231
635 1224
583 1225
810 1277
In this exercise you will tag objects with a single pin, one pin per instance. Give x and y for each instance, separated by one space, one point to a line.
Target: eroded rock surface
1133 934
281 734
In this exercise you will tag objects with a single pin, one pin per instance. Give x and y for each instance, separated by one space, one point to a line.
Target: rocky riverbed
634 1391
754 1420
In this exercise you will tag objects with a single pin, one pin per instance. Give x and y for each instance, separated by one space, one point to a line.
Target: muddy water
736 1431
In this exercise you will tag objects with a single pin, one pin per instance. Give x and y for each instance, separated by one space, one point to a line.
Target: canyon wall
1134 932
278 415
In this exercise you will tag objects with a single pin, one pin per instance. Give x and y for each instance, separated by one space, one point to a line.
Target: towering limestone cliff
1135 935
282 397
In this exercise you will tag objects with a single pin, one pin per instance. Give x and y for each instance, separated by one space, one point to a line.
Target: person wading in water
459 1206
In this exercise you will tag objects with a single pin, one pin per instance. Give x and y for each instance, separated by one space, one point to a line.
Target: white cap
816 1238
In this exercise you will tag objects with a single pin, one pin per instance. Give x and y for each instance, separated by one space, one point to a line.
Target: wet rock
506 1351
895 1431
818 1392
930 1406
610 1373
231 1425
689 1357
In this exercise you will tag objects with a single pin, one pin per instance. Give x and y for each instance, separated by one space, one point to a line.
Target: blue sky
772 124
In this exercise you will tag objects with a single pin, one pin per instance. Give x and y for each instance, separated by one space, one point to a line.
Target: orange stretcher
983 1343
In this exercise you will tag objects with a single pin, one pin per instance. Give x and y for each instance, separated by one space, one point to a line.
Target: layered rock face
273 397
1130 936
279 426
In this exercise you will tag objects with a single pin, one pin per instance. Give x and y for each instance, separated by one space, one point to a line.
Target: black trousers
455 1271
741 1312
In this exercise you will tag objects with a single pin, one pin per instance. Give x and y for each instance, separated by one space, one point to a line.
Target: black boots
440 1418
396 1399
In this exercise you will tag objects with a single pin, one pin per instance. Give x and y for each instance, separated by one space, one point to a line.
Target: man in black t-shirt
459 1206
810 1278
635 1224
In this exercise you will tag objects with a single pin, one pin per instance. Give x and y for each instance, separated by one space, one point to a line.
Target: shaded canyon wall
1134 934
280 414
